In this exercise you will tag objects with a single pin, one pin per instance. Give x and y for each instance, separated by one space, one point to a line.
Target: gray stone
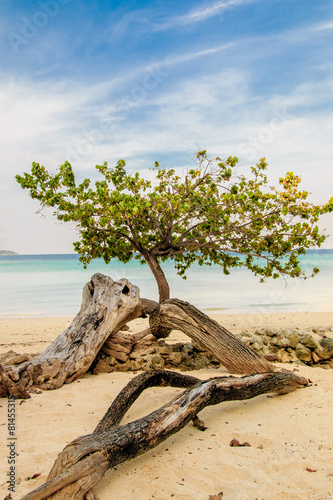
303 353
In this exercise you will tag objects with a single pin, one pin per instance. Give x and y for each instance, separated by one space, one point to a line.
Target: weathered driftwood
84 461
237 357
106 306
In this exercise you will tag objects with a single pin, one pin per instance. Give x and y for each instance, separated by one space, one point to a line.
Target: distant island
7 252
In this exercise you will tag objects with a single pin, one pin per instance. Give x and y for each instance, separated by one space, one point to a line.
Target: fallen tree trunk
234 355
106 306
85 460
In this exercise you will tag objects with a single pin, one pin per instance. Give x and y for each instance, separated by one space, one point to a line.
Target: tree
211 215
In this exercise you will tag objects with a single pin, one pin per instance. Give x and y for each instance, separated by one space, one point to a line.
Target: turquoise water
51 285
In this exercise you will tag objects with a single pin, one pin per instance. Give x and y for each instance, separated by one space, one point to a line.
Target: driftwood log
106 307
84 461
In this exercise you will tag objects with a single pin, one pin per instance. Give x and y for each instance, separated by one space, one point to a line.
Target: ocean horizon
51 285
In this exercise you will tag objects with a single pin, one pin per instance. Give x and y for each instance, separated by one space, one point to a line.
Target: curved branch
83 462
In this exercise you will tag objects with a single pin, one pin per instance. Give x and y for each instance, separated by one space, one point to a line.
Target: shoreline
32 334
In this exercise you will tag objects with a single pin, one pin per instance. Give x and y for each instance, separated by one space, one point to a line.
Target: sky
94 81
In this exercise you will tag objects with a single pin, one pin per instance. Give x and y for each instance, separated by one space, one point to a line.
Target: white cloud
201 14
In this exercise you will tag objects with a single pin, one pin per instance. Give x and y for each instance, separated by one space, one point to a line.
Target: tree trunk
84 461
162 284
106 307
175 314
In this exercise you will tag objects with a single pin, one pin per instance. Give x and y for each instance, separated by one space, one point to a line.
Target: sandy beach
291 436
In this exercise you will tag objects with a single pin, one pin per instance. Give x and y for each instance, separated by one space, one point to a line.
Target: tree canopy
209 215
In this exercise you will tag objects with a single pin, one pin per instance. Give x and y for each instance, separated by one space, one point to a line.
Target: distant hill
7 252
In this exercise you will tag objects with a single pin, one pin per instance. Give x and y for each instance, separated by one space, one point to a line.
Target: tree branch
84 461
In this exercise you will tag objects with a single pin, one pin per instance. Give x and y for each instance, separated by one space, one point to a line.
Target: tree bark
162 284
106 307
175 314
84 461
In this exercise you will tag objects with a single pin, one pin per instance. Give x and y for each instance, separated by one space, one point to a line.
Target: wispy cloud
201 14
323 26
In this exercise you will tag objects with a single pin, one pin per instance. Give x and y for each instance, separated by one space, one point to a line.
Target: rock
165 350
255 339
327 344
175 358
200 363
286 356
135 355
303 353
282 356
271 332
308 341
197 347
318 329
271 357
187 360
315 357
280 342
292 337
112 361
136 365
256 346
188 349
322 353
157 362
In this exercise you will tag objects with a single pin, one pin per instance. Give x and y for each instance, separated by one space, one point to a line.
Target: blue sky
95 81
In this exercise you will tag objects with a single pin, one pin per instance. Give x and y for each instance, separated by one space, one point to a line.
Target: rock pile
310 346
313 346
151 354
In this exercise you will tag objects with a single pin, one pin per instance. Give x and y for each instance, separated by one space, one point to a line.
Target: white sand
288 434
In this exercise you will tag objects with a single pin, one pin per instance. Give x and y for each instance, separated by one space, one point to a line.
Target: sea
51 285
